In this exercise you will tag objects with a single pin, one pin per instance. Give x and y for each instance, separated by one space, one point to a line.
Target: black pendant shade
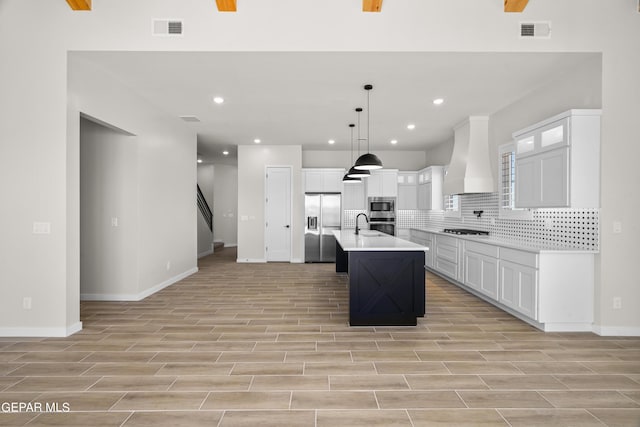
368 161
346 179
358 173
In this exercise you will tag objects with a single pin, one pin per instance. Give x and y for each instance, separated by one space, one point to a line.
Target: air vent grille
527 30
175 27
535 30
167 27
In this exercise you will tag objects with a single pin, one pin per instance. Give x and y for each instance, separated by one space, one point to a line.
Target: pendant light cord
368 111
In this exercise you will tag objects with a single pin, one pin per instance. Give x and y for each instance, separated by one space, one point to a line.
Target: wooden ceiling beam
371 5
80 4
226 5
515 5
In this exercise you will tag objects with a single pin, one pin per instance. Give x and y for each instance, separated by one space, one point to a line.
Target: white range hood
470 167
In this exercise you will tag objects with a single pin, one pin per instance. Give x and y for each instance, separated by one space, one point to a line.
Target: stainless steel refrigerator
323 215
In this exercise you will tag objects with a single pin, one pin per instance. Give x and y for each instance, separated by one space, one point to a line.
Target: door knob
287 226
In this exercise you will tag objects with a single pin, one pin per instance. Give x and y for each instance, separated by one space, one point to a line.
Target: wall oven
382 214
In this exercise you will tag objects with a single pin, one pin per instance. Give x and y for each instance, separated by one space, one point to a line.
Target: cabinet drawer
419 234
481 248
446 252
447 240
519 257
446 267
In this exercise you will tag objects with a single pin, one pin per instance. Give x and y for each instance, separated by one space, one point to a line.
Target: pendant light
368 161
353 172
346 179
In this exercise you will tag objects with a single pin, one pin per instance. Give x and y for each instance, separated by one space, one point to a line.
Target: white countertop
512 244
370 240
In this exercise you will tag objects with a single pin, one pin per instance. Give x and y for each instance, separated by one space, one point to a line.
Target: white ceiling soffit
307 98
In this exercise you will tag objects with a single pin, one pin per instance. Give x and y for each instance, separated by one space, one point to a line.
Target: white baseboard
251 260
296 261
140 296
568 327
205 253
617 331
41 332
230 245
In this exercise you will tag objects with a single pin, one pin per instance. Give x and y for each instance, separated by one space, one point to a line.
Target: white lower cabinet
481 268
424 238
551 289
518 288
446 256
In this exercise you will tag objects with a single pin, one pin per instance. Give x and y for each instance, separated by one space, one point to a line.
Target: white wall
205 236
252 163
108 192
402 160
440 155
225 208
159 167
36 36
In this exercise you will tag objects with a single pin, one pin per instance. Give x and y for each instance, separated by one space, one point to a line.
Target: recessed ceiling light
257 141
225 153
218 100
394 141
438 101
411 126
332 141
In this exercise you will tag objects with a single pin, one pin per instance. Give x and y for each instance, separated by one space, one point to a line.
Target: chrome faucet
358 216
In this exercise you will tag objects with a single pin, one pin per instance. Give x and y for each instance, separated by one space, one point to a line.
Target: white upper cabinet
353 197
322 180
407 190
558 162
382 183
430 188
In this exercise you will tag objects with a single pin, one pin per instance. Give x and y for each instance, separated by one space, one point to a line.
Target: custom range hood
470 167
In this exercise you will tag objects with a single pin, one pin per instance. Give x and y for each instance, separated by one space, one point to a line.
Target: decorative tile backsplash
567 228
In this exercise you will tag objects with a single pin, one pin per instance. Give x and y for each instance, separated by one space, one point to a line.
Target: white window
507 185
452 205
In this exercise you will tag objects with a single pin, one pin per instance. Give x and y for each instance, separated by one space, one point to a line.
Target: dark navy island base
386 288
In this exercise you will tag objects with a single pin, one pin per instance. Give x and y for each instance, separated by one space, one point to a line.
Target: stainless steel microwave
382 204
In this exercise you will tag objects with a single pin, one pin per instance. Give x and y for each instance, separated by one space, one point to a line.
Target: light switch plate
617 227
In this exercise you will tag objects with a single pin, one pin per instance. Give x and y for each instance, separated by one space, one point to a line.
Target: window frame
510 212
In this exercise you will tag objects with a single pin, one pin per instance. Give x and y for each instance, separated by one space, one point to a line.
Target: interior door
278 214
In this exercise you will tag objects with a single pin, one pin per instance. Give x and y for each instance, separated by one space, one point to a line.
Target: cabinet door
374 184
473 270
313 181
407 197
390 183
353 197
553 167
422 196
332 181
527 185
428 196
519 288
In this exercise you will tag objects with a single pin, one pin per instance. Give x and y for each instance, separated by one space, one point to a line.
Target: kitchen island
386 278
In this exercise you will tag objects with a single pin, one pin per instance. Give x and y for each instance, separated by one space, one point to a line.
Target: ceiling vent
535 30
192 119
167 27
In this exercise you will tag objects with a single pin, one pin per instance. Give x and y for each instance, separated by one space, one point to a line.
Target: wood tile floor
269 345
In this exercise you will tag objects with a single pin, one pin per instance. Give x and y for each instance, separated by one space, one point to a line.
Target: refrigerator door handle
312 222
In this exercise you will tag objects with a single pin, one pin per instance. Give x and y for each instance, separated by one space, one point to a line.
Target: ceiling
308 98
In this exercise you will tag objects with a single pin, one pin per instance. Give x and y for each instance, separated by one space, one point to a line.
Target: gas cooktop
466 231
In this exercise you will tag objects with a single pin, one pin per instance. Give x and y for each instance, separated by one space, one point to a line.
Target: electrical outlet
26 303
41 228
114 221
168 265
617 303
548 223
